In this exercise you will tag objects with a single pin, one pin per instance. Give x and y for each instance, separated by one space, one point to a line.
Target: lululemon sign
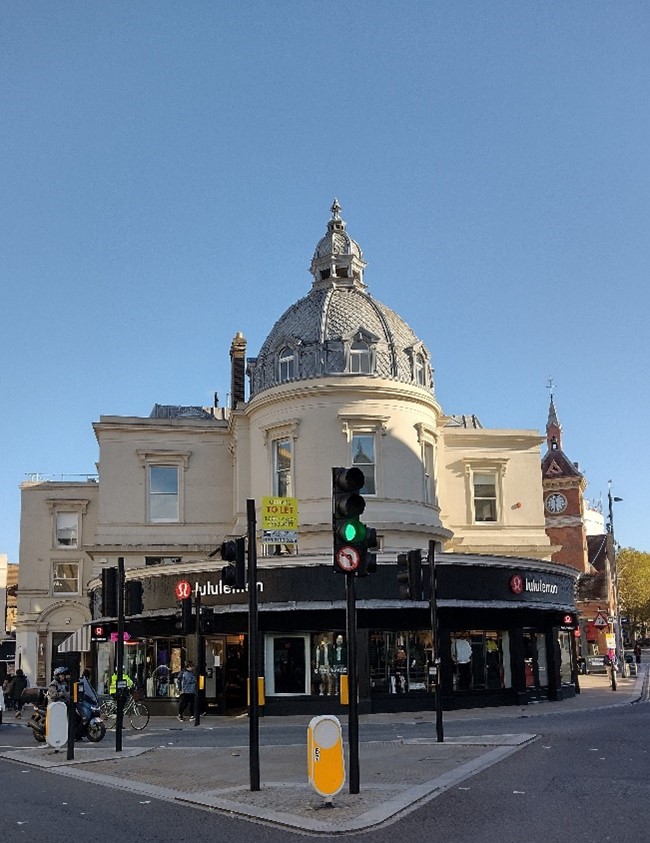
183 590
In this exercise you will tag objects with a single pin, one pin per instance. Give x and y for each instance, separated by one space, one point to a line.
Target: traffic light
133 604
186 622
109 592
409 575
234 552
209 621
368 564
349 533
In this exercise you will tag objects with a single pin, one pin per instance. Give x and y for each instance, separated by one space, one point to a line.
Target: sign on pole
600 621
279 520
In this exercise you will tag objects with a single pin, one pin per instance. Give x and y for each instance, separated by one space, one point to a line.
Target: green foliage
634 585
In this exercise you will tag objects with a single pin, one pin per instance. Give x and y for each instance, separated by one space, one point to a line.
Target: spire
553 426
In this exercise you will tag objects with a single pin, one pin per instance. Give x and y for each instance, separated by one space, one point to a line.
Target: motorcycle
88 723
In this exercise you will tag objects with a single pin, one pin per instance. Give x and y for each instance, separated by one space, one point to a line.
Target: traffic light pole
120 684
253 656
435 631
353 707
199 660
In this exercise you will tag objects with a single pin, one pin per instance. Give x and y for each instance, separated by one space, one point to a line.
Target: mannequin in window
493 663
339 662
400 670
323 666
462 654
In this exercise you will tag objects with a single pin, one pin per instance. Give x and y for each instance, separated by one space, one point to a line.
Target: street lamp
611 499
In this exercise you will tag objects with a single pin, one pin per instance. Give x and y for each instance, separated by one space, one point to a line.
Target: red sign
348 559
99 633
517 584
183 590
126 636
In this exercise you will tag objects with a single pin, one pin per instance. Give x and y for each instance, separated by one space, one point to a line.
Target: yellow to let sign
279 513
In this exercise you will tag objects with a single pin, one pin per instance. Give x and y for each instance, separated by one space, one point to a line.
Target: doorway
535 664
226 673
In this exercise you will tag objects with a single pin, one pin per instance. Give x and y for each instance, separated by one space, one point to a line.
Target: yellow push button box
325 758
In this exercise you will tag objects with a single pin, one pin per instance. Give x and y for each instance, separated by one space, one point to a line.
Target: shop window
481 660
152 664
67 529
287 660
65 579
535 661
399 662
305 663
363 457
485 497
564 642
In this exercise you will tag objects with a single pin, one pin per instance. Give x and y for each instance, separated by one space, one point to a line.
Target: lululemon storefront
506 636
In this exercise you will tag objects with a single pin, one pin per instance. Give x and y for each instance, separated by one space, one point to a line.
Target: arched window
419 371
286 365
360 358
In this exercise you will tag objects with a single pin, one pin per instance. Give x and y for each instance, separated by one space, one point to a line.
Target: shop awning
7 651
78 642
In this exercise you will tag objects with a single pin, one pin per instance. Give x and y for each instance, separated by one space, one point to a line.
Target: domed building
340 381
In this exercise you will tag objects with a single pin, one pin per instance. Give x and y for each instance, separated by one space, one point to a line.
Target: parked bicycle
134 709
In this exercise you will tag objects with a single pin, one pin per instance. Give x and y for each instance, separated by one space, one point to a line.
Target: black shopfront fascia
310 598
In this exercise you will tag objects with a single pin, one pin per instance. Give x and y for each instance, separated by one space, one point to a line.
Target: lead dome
338 329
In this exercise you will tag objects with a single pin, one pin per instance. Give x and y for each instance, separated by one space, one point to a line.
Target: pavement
396 776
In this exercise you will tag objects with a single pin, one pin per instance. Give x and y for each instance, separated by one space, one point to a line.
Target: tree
634 586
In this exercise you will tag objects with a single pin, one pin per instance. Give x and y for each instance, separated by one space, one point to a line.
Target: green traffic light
352 531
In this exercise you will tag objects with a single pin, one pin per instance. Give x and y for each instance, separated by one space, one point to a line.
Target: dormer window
286 365
360 358
419 371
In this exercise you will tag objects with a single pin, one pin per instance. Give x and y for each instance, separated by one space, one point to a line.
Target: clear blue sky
167 169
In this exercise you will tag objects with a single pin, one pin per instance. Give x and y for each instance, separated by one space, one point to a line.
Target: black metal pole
73 686
618 639
199 660
435 632
253 658
353 707
119 656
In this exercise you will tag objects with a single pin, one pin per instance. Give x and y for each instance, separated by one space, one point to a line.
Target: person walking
187 688
16 688
637 652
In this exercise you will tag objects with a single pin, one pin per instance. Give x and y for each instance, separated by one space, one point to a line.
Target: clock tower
563 487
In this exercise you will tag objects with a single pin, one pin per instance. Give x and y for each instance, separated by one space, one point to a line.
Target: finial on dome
336 210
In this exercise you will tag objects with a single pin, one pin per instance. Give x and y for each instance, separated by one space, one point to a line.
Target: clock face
556 503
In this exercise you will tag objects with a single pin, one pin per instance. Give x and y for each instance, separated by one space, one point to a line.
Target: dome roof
338 328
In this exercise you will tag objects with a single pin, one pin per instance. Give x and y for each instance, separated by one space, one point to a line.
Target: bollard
325 759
